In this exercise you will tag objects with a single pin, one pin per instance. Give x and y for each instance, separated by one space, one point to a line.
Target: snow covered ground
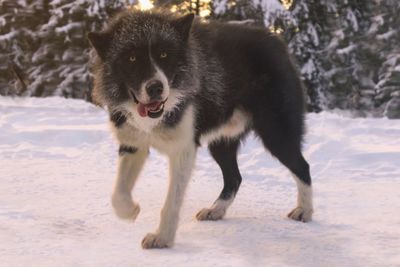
57 166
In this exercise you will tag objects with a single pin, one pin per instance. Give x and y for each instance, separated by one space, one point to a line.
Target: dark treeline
348 52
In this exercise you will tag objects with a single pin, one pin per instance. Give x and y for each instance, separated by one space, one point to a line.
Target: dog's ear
183 25
101 42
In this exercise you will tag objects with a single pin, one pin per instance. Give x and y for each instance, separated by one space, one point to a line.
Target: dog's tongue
143 109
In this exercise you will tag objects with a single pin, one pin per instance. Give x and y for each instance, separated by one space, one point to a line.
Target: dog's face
144 59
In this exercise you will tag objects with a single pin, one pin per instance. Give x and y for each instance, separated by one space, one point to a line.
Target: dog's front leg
181 165
130 163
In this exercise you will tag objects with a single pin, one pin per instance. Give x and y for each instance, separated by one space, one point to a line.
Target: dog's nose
154 89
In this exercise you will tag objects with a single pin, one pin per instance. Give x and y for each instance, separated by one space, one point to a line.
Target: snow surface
57 166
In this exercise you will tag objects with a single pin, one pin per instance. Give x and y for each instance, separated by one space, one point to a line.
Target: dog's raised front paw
155 241
301 214
212 214
124 206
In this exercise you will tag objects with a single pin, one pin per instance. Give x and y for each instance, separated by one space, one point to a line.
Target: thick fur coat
175 83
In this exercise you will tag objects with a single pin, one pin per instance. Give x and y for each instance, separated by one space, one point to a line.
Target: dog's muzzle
155 108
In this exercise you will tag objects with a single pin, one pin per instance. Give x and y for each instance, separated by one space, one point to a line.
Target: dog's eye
163 55
132 58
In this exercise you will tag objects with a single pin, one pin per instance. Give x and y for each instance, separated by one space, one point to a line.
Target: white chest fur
171 140
235 126
166 140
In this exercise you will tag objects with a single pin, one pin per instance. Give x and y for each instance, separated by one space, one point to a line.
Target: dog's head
142 63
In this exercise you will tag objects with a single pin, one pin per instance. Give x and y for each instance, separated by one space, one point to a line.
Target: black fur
123 149
118 118
224 152
257 76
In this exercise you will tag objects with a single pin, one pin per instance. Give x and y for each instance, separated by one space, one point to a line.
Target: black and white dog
173 83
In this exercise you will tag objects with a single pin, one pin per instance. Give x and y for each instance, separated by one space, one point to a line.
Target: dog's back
247 67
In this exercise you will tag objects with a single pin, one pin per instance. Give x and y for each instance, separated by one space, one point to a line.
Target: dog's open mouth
153 110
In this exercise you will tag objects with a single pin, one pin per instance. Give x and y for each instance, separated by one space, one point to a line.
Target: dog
175 82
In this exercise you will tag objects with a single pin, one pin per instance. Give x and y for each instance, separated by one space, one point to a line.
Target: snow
220 6
386 35
352 19
68 27
8 36
271 9
346 50
57 165
377 21
312 32
308 69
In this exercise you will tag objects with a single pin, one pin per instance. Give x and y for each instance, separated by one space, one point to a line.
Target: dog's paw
124 206
301 214
212 214
155 241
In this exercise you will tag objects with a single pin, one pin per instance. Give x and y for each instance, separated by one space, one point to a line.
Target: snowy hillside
57 166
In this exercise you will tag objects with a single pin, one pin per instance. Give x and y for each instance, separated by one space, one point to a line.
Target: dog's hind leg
130 163
224 152
285 146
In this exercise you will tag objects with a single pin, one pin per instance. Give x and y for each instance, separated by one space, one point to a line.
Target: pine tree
46 47
306 33
347 51
388 74
18 40
363 58
237 10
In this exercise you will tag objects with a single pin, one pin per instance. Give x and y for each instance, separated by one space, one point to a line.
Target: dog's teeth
157 110
160 108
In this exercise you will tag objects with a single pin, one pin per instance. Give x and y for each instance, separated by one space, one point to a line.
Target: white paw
124 206
301 214
212 214
155 241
